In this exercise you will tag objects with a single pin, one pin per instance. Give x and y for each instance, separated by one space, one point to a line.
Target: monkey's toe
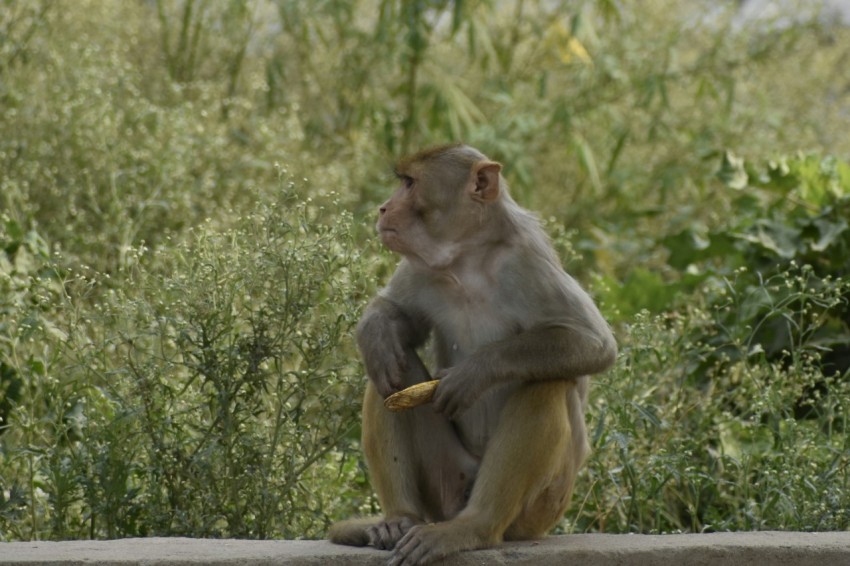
424 544
386 534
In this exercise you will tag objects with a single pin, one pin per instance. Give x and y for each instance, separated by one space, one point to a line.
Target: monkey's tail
352 532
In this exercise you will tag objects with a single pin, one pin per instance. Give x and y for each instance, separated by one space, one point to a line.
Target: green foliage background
187 190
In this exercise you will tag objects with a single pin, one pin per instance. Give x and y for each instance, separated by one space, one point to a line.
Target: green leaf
732 172
37 366
641 289
780 177
14 230
775 237
588 163
692 246
829 233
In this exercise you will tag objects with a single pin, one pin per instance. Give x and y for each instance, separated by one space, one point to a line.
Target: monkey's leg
525 458
389 450
418 467
539 516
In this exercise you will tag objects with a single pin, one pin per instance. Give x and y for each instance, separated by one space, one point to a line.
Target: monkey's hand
386 367
387 339
394 369
455 393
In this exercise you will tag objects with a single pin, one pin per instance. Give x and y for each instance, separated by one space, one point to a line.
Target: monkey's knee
547 503
541 514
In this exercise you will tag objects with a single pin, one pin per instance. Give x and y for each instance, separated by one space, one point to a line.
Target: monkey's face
418 221
438 207
404 221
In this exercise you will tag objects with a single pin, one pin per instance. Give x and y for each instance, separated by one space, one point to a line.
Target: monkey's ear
484 185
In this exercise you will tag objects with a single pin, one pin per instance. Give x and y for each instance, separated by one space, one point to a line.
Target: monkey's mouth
390 238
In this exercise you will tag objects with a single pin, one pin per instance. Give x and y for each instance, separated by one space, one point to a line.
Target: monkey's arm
543 353
387 337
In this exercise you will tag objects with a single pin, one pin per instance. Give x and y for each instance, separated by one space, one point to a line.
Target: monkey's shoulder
488 300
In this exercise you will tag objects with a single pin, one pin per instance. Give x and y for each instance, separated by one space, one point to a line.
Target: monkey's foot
384 535
424 544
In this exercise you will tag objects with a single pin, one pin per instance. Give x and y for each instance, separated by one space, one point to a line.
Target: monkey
514 339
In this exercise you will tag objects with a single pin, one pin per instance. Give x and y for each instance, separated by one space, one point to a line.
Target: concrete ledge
719 549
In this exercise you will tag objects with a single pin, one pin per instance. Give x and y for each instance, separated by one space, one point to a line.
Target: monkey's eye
406 180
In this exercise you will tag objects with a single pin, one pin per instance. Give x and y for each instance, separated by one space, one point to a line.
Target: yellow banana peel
412 396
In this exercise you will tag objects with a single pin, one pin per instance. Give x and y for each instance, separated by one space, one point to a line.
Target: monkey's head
442 204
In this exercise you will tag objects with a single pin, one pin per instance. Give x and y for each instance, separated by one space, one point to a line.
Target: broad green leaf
775 237
692 246
829 233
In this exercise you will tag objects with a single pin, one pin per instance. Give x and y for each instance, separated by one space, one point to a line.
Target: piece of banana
412 396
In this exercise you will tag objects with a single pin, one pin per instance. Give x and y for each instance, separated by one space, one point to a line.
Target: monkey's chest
463 326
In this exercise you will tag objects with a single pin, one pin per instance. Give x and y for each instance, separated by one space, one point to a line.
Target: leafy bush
209 394
702 427
730 410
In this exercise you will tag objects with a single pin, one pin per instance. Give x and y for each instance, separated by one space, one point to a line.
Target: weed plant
211 393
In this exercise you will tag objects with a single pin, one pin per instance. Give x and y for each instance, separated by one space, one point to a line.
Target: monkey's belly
477 425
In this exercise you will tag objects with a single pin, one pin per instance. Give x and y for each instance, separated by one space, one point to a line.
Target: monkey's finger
387 382
395 382
447 409
438 400
444 401
417 552
383 540
399 355
395 531
413 396
372 533
405 549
